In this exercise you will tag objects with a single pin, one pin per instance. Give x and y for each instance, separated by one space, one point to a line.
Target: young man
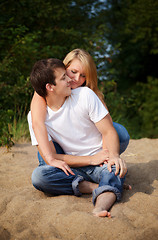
78 122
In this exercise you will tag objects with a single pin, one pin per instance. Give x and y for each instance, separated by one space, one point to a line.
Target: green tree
121 35
32 30
131 28
131 31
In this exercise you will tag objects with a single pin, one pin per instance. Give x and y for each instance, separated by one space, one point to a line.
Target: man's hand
62 165
120 166
100 158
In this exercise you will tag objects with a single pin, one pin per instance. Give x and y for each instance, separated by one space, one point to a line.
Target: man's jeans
54 181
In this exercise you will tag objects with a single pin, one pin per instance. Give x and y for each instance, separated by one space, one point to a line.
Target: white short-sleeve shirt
73 125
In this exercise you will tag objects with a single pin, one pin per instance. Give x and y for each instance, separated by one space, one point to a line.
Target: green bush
137 110
147 107
124 46
116 104
14 103
5 134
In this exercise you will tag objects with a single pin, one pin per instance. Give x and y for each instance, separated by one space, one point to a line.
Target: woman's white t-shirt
73 125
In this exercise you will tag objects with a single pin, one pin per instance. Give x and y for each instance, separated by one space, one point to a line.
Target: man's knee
40 176
109 178
46 178
37 177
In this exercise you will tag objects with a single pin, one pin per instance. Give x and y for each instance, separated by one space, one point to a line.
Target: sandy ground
26 213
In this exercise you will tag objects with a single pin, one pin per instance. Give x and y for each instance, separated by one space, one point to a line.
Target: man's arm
111 141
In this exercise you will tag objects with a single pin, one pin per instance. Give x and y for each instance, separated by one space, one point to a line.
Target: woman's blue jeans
123 136
54 181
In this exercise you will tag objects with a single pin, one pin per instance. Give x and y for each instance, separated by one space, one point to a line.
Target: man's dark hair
43 72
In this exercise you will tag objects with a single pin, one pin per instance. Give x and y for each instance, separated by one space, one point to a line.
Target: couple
80 123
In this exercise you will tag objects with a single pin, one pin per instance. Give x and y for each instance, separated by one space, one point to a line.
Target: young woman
82 70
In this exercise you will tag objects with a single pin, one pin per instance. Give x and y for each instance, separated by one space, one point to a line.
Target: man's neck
55 102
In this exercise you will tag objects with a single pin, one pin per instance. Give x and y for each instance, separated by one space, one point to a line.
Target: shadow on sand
141 177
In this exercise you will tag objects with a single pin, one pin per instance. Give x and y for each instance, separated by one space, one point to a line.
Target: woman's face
76 72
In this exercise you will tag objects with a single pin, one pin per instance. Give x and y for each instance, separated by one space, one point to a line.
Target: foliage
5 135
121 35
131 28
19 129
119 107
144 105
31 30
137 110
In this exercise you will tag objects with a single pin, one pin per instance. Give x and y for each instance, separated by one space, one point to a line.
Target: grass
19 130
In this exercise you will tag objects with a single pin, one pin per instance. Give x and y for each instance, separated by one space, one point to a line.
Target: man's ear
49 87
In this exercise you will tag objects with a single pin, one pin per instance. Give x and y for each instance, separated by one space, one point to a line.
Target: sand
26 213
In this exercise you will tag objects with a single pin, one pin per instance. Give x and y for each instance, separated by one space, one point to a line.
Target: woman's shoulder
82 90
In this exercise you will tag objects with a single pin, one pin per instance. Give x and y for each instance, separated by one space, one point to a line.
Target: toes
103 214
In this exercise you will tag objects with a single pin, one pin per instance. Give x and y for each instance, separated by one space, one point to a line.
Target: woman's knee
122 132
123 136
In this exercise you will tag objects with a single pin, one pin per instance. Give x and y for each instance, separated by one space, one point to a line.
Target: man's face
63 83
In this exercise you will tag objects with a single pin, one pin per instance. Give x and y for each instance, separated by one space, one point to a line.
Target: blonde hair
89 66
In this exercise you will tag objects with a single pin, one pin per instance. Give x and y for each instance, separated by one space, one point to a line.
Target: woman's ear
49 87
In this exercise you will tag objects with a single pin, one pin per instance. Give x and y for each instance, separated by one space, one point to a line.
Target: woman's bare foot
127 186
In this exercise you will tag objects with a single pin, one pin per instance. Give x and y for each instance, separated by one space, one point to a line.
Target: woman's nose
77 76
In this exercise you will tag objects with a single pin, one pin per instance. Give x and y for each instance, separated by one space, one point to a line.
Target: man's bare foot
101 213
103 203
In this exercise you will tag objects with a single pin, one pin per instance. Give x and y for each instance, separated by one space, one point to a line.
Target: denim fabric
40 159
107 181
123 136
54 181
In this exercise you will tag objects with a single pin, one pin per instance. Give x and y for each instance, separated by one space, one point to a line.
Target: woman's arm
111 141
76 161
38 113
109 117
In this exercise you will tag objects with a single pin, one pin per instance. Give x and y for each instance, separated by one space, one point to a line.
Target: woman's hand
62 165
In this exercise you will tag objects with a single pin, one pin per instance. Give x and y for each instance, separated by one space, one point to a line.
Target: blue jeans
54 181
123 136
